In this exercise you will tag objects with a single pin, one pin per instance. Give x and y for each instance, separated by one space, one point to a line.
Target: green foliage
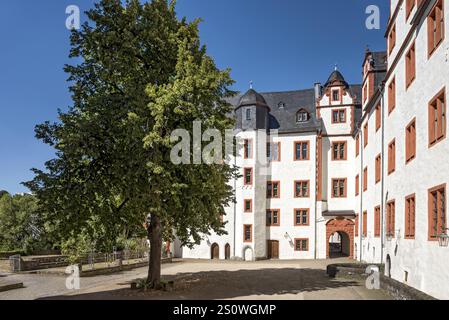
143 74
77 247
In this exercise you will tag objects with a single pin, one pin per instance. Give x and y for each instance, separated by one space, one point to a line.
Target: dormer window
248 114
302 116
335 95
281 105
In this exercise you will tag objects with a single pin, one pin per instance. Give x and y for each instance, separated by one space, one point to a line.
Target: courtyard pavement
206 280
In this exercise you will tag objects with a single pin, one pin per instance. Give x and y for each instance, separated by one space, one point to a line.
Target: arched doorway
388 267
215 251
339 245
341 233
227 251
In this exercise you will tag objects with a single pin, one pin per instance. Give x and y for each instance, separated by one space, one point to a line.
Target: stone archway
344 227
215 251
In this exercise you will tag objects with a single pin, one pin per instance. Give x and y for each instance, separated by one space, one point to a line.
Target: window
392 157
409 5
274 152
378 168
247 233
357 145
390 219
339 151
339 188
301 244
365 93
378 117
335 95
410 141
273 189
437 119
365 135
273 218
339 116
302 116
410 217
248 206
248 114
248 176
410 66
365 179
377 222
301 217
302 189
247 149
437 212
301 151
356 225
392 39
392 95
357 185
365 224
435 27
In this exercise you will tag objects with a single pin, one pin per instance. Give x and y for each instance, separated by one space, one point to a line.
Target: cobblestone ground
285 280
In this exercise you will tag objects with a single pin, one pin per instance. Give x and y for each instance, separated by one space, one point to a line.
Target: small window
410 217
301 244
390 219
301 189
392 95
336 95
301 151
409 5
365 224
378 117
274 151
357 185
302 116
435 27
410 142
247 233
339 116
377 222
365 179
248 114
273 218
437 119
248 206
301 217
273 189
365 135
392 39
410 68
437 212
356 222
339 188
248 176
392 157
357 145
247 148
378 168
339 151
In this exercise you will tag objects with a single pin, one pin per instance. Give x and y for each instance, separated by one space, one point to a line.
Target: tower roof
252 97
336 78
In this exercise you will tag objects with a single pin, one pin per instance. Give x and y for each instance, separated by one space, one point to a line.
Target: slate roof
336 76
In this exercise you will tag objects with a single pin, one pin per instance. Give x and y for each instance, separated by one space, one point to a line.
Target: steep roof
336 78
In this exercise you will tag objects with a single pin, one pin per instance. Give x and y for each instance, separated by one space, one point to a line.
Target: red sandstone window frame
392 95
365 135
303 211
245 209
437 118
357 185
247 149
391 218
340 145
410 141
245 171
365 224
339 119
409 5
270 154
333 95
356 223
270 214
301 248
250 226
378 166
377 222
436 225
410 216
365 179
345 186
301 182
357 145
410 66
378 117
392 39
272 195
435 28
392 157
301 157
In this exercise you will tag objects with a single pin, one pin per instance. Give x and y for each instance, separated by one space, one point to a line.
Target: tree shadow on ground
219 285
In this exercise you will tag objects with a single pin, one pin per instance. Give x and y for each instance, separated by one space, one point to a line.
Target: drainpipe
362 193
235 207
382 201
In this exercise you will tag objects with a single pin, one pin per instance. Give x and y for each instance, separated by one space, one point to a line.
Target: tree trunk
154 268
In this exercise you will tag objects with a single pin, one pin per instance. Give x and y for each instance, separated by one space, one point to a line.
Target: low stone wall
396 289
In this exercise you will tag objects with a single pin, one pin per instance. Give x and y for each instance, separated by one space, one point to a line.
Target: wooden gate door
272 249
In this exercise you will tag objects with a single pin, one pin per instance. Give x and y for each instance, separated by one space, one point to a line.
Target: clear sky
278 44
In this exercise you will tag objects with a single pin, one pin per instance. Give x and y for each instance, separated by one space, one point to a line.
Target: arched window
302 116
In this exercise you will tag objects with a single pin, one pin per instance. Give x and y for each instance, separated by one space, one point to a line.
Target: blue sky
278 44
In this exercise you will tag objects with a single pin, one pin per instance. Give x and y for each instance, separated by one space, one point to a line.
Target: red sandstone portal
343 226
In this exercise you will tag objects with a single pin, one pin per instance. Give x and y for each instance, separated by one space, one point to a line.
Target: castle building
351 170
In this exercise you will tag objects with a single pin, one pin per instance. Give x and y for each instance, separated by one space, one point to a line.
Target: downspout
361 191
382 200
235 208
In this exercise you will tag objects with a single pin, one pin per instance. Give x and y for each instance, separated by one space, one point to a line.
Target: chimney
317 91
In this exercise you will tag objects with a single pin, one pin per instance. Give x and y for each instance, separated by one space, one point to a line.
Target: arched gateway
345 228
